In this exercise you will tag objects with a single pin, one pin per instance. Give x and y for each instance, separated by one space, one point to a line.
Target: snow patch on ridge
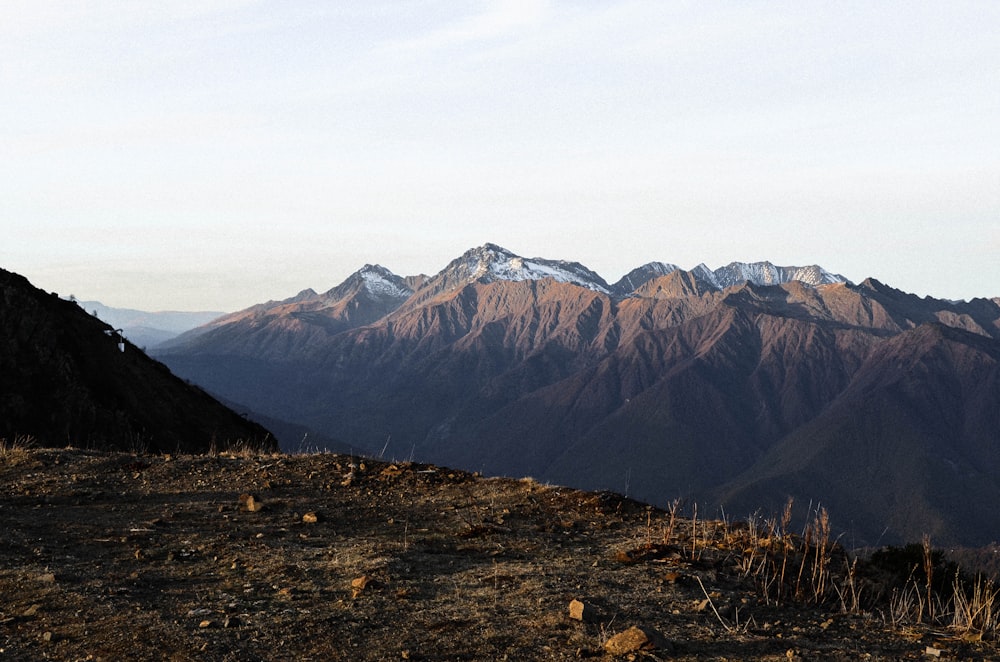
378 281
765 273
491 263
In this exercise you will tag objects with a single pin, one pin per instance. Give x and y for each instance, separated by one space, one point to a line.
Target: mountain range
737 387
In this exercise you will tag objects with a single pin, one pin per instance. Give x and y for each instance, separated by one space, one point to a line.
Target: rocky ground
328 557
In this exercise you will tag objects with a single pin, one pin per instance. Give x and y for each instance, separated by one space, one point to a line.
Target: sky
214 154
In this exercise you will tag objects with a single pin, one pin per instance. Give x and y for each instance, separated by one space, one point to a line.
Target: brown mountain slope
699 403
282 329
920 422
64 381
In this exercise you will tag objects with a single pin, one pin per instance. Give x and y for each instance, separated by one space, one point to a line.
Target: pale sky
214 154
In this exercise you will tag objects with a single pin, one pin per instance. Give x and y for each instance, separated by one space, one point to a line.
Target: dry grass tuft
18 448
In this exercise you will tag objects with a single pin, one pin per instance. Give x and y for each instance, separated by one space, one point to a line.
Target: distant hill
149 329
68 379
738 386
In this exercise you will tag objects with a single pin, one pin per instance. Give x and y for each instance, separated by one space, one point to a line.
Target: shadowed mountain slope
919 420
65 380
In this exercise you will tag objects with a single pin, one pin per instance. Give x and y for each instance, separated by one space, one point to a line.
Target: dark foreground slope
110 556
64 380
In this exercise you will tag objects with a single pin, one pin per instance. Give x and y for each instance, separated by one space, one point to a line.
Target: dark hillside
920 422
64 381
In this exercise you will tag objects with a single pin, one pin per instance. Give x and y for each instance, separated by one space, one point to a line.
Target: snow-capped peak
702 272
376 280
490 263
381 281
765 273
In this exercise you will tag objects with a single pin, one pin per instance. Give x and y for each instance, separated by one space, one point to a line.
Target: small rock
359 584
206 624
636 639
249 503
31 611
47 578
47 636
310 518
931 651
583 611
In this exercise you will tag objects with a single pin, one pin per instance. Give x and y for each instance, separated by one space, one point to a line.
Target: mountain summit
490 263
765 273
376 283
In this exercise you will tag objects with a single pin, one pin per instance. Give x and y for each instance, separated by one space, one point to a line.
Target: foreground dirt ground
327 557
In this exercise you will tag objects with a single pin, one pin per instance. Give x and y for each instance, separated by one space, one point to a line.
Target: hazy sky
213 154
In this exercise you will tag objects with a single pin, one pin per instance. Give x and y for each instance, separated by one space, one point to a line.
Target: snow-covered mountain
374 291
373 280
765 273
489 263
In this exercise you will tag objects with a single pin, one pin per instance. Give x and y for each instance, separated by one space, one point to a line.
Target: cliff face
68 379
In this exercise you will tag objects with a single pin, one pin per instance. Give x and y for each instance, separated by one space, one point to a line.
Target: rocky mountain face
737 387
69 379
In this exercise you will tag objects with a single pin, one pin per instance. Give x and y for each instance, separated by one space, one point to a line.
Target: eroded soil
116 556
